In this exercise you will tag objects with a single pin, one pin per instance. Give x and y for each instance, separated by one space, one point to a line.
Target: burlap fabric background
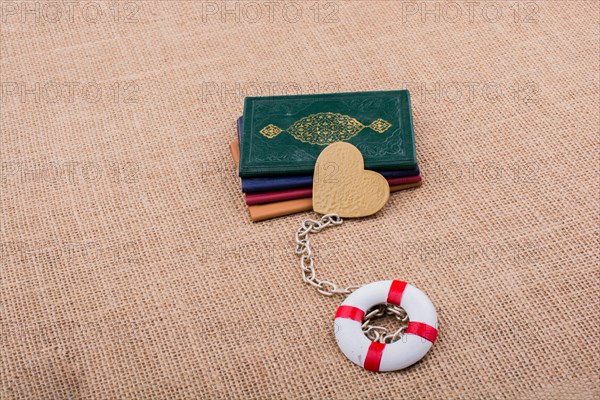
130 268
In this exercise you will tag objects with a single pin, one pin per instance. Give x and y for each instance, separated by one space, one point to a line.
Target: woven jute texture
130 267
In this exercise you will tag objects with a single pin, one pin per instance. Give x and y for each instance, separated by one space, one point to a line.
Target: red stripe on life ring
396 292
427 332
350 312
373 358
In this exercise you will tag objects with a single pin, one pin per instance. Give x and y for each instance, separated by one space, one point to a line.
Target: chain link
328 288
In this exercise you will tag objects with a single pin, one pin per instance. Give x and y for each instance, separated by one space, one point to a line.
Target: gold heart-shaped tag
342 186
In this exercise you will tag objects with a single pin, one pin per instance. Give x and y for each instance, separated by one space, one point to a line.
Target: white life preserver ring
374 356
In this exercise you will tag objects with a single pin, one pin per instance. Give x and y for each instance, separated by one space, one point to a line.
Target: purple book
261 185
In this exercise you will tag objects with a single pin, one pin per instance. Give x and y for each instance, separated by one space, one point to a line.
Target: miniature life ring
412 345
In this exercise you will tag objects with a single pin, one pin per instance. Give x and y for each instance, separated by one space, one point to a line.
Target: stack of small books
280 137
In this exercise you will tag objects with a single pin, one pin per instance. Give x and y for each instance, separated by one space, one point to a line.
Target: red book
281 195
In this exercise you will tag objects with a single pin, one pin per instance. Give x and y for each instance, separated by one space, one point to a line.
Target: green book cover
283 135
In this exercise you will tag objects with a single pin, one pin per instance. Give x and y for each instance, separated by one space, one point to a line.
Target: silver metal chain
328 288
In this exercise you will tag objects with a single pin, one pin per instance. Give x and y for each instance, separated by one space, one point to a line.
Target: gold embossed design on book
325 128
